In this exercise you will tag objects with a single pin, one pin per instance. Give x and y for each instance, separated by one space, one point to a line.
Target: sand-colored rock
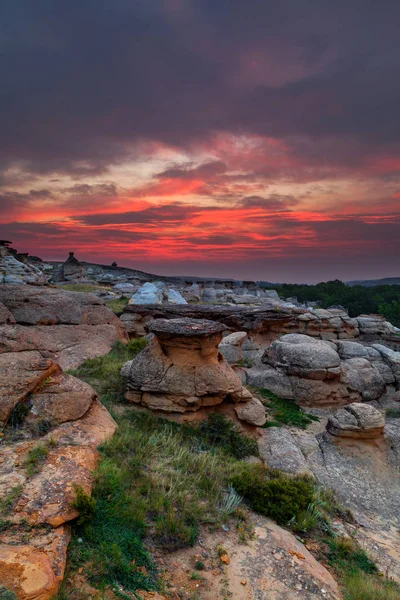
360 421
181 370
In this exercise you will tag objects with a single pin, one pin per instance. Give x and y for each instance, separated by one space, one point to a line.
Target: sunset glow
202 138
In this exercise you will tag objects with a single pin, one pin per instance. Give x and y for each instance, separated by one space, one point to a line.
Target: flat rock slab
185 327
279 450
272 566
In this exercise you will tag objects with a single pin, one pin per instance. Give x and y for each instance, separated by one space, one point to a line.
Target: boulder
14 271
124 288
181 371
148 293
356 420
231 346
175 297
359 375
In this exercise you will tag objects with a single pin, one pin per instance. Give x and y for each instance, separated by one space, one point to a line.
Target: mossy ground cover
118 305
158 483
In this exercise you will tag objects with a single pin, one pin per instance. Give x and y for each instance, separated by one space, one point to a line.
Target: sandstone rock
148 293
356 421
181 370
67 327
20 374
27 572
301 355
231 346
275 380
348 349
175 297
360 375
15 272
70 270
272 294
279 451
124 288
252 412
64 398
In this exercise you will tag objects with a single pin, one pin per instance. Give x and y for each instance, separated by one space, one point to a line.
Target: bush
84 504
273 494
6 594
345 554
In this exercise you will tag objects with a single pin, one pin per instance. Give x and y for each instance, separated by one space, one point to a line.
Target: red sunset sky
255 140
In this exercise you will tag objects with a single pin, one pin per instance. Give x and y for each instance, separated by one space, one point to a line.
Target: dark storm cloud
83 81
207 171
273 203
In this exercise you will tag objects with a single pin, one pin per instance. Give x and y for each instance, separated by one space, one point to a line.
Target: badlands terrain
189 438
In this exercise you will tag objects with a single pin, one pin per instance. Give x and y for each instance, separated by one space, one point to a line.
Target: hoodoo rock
356 421
182 372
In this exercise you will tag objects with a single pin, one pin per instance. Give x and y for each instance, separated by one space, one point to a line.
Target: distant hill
375 282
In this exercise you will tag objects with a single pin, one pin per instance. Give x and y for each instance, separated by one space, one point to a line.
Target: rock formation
67 327
43 408
182 373
71 270
356 420
156 293
15 271
322 373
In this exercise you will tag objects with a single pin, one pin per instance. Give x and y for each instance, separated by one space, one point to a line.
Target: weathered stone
175 297
356 421
148 293
20 374
279 451
231 347
360 375
181 370
252 412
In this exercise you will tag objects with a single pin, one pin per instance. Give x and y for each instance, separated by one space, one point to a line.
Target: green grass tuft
7 503
118 305
36 458
6 594
284 412
394 413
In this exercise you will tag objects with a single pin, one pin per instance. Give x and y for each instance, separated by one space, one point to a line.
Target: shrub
273 494
346 555
85 504
6 594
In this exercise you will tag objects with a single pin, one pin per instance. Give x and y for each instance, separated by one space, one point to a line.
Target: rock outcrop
67 327
317 373
359 421
52 424
14 271
182 373
71 270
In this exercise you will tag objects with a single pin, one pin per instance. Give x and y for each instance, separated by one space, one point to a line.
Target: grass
158 483
394 413
118 305
103 372
7 503
36 457
81 287
284 412
360 587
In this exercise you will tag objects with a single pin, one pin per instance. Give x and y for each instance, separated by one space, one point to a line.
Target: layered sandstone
182 372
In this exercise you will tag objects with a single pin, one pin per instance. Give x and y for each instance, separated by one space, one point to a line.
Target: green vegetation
117 306
357 299
81 287
103 372
6 594
284 412
360 587
7 503
36 457
18 414
159 483
394 413
274 494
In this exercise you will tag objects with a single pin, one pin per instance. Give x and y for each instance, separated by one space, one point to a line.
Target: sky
226 138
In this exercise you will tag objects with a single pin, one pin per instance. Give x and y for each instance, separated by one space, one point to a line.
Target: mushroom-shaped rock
356 420
182 371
